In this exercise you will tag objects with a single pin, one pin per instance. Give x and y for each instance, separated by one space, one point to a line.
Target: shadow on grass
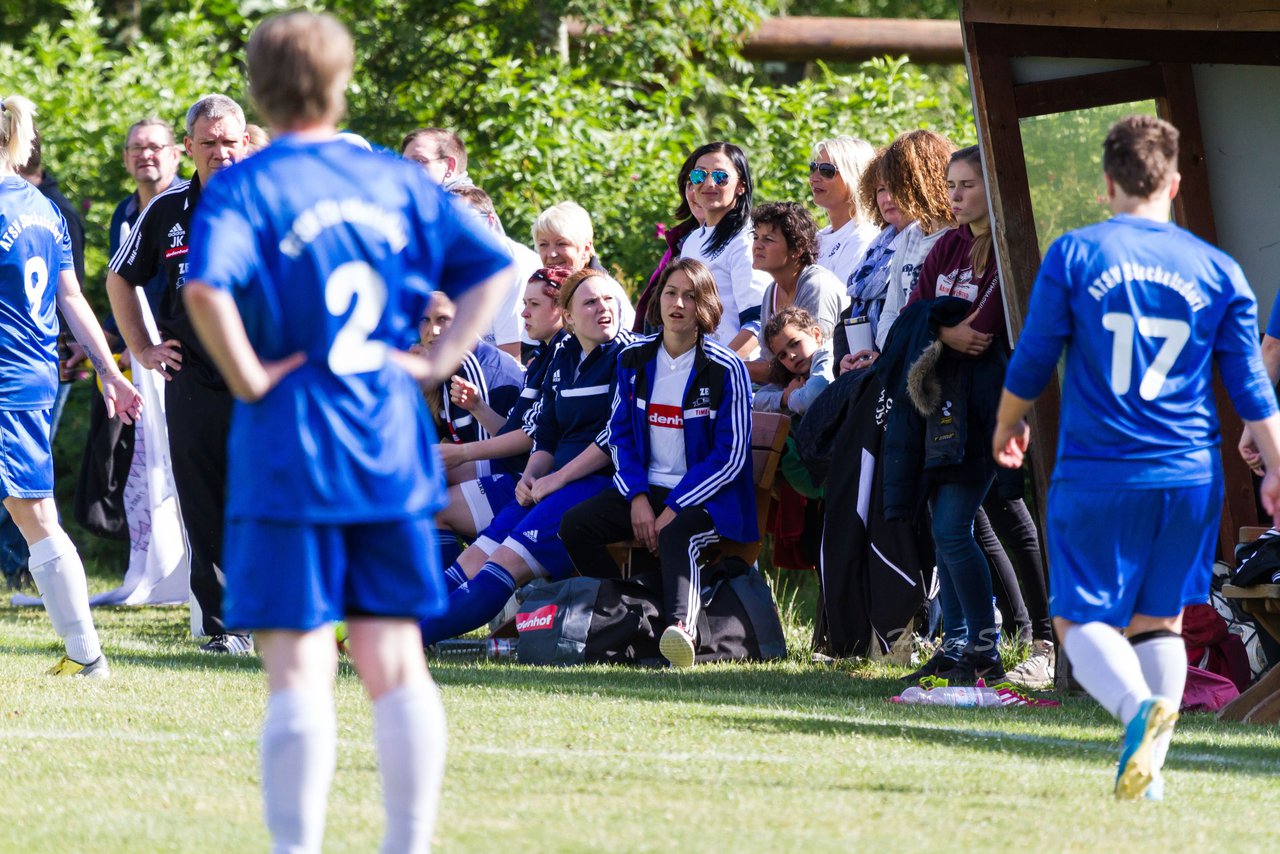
194 660
836 701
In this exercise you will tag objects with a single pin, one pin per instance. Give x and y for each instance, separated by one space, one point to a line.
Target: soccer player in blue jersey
1143 309
36 272
311 264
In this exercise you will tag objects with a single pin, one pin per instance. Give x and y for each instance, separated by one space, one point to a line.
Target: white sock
409 731
299 750
59 576
1104 663
1164 665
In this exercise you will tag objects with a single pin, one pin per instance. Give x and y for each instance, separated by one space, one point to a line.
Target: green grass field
784 757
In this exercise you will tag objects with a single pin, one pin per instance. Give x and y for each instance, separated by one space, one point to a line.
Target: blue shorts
298 575
26 454
534 532
486 497
1114 553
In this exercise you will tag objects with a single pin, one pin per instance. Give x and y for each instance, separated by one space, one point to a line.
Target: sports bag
619 621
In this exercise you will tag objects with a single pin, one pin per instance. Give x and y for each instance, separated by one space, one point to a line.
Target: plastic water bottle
955 696
474 649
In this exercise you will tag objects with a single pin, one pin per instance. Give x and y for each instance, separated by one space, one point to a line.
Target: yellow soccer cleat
96 669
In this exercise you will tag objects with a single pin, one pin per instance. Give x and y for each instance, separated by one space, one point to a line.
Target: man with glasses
151 158
441 153
197 402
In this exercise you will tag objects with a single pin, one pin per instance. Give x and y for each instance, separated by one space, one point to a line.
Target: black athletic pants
1005 530
199 418
590 527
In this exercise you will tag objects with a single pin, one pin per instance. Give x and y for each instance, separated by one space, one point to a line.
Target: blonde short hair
850 156
299 67
569 219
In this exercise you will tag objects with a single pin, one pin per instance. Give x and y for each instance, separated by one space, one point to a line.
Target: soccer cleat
1155 792
1036 673
1140 755
228 645
676 646
96 669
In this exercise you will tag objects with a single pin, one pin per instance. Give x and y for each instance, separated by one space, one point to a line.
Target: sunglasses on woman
719 177
826 170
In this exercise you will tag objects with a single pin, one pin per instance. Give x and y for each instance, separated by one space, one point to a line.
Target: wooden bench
769 432
1260 704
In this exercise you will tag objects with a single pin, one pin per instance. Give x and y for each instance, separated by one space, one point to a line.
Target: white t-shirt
909 251
840 251
508 326
741 288
665 414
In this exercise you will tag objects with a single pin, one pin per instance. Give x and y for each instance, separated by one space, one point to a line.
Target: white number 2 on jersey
1175 334
352 351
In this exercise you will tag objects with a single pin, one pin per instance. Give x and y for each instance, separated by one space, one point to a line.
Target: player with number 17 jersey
333 251
1143 308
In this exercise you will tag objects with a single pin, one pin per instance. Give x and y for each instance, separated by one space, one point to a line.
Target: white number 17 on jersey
1175 334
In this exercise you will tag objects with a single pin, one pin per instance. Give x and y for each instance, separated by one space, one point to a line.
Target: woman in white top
914 168
835 169
722 182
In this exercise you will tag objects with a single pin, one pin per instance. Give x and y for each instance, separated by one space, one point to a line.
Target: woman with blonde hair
37 278
835 170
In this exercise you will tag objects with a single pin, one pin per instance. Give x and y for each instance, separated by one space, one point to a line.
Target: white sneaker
676 646
1036 673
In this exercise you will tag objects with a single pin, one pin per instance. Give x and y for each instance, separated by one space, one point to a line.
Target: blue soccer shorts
1115 552
534 532
300 576
26 455
487 496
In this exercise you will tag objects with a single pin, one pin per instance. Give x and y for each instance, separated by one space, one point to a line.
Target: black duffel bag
618 621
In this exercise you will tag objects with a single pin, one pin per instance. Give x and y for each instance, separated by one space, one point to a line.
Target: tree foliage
607 125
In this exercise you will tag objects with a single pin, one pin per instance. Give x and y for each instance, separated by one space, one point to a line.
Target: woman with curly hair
784 245
914 169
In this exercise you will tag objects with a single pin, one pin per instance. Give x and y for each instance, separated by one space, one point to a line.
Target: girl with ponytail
36 272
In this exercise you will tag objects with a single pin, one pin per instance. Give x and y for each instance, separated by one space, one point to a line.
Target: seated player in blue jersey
680 437
474 498
569 463
311 264
1144 310
474 402
37 277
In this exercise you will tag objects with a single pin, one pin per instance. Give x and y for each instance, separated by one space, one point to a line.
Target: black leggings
1019 586
589 528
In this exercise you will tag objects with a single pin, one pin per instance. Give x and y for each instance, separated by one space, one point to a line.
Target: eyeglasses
135 150
826 170
719 177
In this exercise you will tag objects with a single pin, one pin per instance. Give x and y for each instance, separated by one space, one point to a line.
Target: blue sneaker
1141 755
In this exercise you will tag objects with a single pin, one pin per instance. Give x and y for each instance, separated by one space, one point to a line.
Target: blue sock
450 548
471 605
454 577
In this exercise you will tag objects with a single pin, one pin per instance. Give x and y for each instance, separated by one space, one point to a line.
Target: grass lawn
784 757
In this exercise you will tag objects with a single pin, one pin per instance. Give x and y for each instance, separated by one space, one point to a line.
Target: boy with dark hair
311 264
1144 309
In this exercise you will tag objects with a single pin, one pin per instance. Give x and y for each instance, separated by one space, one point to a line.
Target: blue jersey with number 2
332 250
1143 309
34 249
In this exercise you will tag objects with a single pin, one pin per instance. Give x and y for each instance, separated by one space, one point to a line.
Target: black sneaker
973 666
939 661
228 645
